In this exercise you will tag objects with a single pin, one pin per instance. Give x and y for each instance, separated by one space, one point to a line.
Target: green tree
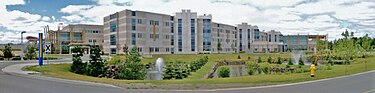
301 62
259 59
367 47
290 61
96 66
125 49
132 68
78 66
7 52
219 48
31 52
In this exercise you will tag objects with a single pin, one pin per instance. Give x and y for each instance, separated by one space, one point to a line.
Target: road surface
9 83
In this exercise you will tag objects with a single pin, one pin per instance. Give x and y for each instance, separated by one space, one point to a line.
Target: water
156 72
296 55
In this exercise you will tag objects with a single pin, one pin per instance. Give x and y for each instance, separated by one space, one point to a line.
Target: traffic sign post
40 47
47 47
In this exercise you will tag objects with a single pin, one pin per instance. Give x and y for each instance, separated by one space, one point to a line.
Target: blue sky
288 16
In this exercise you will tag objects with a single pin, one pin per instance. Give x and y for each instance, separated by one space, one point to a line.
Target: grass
62 71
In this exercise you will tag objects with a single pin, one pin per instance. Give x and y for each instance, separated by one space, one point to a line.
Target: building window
157 49
269 38
139 35
64 36
157 23
151 49
94 40
139 21
113 16
133 38
133 13
207 34
172 28
113 26
179 34
140 49
192 34
77 36
113 39
133 24
166 23
166 49
248 38
113 50
172 40
240 40
275 38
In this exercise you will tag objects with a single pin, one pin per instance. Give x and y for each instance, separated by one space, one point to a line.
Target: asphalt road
362 83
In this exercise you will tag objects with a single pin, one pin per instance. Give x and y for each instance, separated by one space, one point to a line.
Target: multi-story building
187 33
151 33
69 36
302 42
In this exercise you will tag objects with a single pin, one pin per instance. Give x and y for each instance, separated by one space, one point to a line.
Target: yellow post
312 70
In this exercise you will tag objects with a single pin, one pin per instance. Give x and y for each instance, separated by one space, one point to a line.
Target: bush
269 60
259 59
265 69
278 60
180 70
330 62
329 67
31 52
132 69
77 66
238 57
253 67
224 71
16 58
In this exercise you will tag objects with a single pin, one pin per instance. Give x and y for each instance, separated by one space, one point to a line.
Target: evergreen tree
7 52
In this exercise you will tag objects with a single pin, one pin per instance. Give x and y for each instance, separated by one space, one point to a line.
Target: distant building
303 42
83 35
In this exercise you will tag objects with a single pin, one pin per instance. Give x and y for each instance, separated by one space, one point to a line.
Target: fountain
296 55
156 72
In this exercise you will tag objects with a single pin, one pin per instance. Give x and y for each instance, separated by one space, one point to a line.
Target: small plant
224 72
248 58
7 52
266 69
329 67
238 57
278 60
259 59
269 60
253 67
330 62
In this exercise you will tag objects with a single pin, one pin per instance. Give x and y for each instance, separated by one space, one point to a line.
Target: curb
16 70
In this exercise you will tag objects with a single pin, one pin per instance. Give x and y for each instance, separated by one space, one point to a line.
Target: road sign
47 47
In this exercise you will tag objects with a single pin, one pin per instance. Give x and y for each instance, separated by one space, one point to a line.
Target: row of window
93 31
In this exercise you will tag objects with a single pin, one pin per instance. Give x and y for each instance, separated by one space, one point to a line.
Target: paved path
17 83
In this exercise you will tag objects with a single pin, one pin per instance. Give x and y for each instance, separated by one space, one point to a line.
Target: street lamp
22 36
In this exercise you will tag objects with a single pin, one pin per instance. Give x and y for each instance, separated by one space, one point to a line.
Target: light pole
22 36
22 49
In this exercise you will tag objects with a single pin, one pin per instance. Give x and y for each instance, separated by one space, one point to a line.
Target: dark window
133 13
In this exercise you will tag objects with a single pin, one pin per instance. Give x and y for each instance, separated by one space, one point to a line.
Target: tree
96 66
77 66
7 52
367 47
132 68
219 48
31 52
301 62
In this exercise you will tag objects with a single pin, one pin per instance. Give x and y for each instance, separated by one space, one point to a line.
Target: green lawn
62 71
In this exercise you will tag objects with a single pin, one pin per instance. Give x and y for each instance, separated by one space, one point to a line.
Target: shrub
31 52
269 60
16 58
253 67
330 62
132 69
224 71
265 69
238 57
259 59
7 51
329 67
77 66
278 60
180 70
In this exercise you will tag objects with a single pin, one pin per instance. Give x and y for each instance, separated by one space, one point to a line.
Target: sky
330 17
